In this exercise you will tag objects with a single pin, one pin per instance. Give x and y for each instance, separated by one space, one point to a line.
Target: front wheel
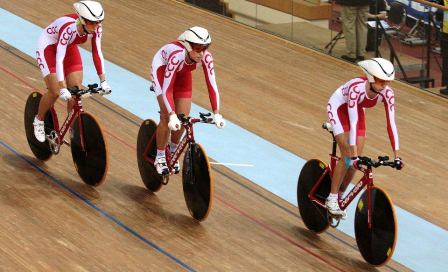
313 215
90 157
148 172
197 182
40 150
376 243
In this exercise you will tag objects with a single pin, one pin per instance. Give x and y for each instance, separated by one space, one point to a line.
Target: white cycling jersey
56 42
347 102
171 75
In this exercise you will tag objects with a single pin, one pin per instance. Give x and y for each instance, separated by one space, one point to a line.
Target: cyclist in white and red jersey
172 82
346 115
59 60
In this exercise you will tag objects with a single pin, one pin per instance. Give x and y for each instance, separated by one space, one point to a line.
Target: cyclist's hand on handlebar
64 94
399 164
174 123
355 162
106 88
219 120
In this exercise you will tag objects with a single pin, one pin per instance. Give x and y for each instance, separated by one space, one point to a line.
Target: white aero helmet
379 68
196 35
89 10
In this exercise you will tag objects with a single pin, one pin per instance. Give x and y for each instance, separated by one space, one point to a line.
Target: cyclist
346 115
172 83
59 59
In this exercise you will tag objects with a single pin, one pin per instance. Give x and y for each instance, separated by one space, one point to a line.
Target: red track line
60 102
266 227
277 233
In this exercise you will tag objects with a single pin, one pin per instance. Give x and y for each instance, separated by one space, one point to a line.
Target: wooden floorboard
269 86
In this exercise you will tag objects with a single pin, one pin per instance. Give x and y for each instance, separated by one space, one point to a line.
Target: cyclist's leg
46 102
50 97
73 70
46 60
361 132
162 131
162 135
351 171
73 79
332 202
182 100
341 166
183 106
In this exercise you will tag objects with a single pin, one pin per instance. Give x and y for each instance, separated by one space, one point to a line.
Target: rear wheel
313 215
148 172
40 150
197 182
91 160
376 243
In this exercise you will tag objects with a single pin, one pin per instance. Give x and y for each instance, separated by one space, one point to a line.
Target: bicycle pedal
165 179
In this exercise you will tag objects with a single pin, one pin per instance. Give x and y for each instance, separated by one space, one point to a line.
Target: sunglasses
92 22
198 48
381 81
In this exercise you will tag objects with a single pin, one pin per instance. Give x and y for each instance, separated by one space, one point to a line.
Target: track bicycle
88 145
196 173
375 220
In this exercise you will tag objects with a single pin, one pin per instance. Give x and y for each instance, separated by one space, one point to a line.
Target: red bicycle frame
73 114
366 180
188 138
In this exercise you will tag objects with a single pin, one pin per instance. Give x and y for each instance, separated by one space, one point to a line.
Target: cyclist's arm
169 79
64 40
389 106
352 105
97 54
209 73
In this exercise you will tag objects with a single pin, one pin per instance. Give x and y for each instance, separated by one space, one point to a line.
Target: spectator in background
444 48
377 10
354 26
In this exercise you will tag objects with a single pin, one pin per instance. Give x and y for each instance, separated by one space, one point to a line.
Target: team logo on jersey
172 64
353 97
209 63
66 36
51 30
330 115
390 99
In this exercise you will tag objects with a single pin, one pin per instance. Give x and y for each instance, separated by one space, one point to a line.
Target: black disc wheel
197 182
40 150
377 242
148 172
314 216
89 150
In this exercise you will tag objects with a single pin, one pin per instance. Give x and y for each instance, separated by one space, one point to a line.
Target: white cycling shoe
161 166
334 209
176 168
39 130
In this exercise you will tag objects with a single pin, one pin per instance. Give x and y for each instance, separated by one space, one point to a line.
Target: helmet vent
388 74
199 37
96 16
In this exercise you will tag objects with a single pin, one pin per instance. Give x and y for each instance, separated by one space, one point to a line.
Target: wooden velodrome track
278 90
